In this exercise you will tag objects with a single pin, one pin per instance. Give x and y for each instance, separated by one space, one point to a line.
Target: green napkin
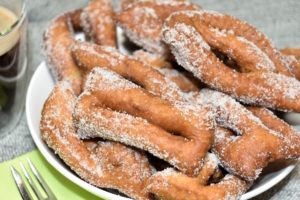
62 187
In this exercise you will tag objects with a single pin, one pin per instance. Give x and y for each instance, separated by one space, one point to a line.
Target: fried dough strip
108 166
172 185
184 81
151 59
105 88
274 123
232 115
248 153
251 49
142 22
227 112
89 55
262 146
98 24
58 38
194 54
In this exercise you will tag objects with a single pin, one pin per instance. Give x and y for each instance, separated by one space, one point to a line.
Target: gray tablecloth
278 19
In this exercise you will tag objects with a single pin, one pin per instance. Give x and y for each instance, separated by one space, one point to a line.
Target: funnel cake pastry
266 85
142 22
173 185
107 164
98 24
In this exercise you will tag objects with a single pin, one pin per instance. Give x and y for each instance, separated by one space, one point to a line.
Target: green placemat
62 187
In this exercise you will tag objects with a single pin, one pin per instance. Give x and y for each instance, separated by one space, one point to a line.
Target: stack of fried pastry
150 127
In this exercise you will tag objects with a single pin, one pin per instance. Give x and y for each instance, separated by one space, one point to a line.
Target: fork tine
51 196
20 184
32 184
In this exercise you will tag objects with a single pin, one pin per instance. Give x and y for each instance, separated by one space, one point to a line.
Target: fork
24 190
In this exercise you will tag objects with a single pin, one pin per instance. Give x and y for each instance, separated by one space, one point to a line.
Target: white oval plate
39 88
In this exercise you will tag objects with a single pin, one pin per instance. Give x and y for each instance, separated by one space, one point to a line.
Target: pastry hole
228 61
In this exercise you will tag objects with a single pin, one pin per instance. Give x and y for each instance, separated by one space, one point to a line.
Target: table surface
278 19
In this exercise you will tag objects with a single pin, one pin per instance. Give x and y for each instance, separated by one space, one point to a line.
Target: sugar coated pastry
266 85
186 82
144 127
172 185
154 60
142 22
98 24
184 117
58 38
107 164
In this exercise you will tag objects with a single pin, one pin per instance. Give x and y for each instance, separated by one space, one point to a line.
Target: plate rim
49 155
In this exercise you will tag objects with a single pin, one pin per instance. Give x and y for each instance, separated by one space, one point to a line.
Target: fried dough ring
172 185
266 88
110 165
142 22
98 24
58 38
107 89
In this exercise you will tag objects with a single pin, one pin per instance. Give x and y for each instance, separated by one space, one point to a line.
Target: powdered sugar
109 81
194 54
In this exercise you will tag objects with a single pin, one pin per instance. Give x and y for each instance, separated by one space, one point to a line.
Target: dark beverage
12 68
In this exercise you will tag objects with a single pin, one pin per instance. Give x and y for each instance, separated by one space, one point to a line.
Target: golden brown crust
173 185
227 112
142 22
255 143
248 154
89 55
152 59
98 24
186 82
274 123
121 95
57 40
108 164
191 50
